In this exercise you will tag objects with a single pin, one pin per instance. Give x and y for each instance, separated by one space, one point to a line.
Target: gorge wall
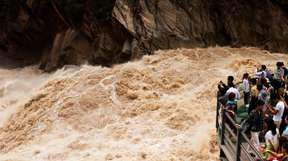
54 33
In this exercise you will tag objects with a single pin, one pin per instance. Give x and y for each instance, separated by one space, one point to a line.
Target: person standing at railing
254 95
279 72
231 105
235 91
231 108
256 123
262 73
279 78
225 90
246 89
222 87
277 111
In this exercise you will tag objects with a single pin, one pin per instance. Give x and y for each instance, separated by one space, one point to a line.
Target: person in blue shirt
231 105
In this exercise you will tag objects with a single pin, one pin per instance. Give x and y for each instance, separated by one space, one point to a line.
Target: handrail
233 130
247 153
232 120
230 131
251 145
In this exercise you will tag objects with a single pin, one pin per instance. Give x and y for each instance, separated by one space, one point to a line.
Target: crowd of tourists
266 100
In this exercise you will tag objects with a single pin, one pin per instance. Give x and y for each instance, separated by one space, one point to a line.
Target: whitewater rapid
159 108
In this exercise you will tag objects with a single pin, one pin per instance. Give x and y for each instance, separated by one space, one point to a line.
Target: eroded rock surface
61 32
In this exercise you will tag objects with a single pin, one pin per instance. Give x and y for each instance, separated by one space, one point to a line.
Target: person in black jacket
222 87
256 122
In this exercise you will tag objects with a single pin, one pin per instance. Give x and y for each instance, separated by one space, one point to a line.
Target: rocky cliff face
61 32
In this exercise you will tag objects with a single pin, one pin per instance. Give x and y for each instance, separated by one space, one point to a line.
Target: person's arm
280 155
272 110
225 86
231 111
222 87
258 74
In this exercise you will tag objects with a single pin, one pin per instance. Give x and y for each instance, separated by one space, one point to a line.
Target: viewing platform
234 144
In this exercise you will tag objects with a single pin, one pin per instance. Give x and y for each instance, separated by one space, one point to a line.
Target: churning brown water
160 108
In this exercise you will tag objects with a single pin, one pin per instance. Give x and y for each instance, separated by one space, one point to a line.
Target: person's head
253 81
285 147
245 76
267 85
271 126
260 104
279 64
230 78
263 67
282 141
231 96
263 81
277 97
259 87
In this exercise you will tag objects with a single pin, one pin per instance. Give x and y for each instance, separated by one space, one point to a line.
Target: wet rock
56 33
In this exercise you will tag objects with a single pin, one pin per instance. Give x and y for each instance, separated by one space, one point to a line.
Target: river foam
159 108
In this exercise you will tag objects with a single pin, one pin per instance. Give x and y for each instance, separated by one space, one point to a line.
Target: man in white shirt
235 91
262 73
277 111
246 89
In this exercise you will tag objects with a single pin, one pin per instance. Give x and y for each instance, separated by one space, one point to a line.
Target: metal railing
233 142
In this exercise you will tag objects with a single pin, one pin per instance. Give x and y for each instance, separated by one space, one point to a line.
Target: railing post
238 143
223 126
217 112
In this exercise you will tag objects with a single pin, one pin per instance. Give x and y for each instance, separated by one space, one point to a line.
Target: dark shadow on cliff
59 32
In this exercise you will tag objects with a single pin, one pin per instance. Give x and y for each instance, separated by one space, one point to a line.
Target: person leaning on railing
231 105
223 88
